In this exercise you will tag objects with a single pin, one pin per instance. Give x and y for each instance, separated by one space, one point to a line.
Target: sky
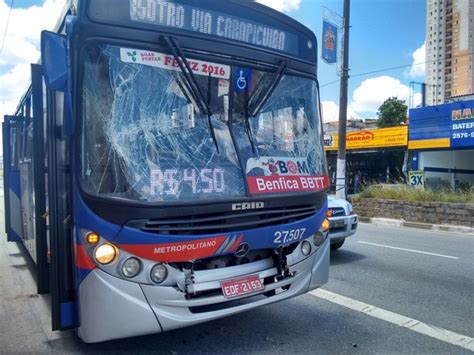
384 34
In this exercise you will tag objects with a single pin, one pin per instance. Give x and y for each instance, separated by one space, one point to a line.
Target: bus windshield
145 137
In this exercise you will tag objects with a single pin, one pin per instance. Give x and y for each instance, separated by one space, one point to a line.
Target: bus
166 165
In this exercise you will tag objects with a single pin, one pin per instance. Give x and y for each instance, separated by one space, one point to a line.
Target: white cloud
282 5
417 69
22 48
331 111
373 92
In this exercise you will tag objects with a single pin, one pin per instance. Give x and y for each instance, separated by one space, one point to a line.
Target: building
449 49
441 144
376 155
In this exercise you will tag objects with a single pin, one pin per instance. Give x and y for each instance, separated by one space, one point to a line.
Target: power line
6 27
394 68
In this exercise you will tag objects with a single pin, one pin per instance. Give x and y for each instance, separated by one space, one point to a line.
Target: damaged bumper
113 308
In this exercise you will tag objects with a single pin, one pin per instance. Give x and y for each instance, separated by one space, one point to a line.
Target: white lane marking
423 328
410 250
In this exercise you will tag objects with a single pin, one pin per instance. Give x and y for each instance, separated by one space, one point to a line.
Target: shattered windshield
281 143
143 136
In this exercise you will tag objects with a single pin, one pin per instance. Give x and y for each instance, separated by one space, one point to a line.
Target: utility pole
341 152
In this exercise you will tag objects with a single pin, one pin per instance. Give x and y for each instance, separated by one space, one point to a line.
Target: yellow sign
374 138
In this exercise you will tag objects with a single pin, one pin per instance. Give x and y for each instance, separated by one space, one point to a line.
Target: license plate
242 286
337 224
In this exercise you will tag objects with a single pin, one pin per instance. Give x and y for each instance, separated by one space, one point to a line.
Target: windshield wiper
191 83
257 101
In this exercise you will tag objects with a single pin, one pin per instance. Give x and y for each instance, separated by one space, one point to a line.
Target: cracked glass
144 137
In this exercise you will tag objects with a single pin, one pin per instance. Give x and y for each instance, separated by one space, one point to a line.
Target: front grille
337 211
224 222
337 229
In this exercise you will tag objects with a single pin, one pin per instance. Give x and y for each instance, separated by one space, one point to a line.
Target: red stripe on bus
176 252
236 243
82 259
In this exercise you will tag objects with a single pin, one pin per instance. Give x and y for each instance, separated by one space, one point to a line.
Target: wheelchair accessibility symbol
243 79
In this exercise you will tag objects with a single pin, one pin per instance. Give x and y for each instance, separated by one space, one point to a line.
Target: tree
393 112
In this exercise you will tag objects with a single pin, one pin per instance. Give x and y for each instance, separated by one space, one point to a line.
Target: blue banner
329 50
442 126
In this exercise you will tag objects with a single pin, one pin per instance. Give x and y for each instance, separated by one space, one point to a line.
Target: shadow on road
342 256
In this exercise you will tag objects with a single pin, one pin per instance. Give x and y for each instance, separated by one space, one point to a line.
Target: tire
337 245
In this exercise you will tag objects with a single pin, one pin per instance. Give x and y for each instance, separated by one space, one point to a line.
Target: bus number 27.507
283 237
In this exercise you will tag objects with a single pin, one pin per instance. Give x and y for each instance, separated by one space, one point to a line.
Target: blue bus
166 165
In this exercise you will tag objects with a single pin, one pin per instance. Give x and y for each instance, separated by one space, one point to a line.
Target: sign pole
341 153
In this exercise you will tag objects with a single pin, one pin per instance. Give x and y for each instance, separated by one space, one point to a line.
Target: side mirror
54 60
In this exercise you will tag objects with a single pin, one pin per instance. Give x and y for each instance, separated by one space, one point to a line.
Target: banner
448 125
329 42
374 138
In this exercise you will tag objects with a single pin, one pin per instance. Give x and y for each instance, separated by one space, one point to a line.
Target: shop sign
416 179
442 126
462 127
365 139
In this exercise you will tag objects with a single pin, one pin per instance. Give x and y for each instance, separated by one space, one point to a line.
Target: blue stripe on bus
82 274
68 314
14 183
258 238
13 236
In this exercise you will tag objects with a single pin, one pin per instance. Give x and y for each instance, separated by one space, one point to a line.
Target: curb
387 222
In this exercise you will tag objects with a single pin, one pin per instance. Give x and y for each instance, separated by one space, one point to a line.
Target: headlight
306 248
158 273
349 208
105 254
319 238
131 267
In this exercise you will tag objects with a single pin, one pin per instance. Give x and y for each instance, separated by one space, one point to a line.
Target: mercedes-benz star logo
242 250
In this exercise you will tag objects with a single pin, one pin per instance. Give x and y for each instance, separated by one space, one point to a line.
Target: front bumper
342 227
112 308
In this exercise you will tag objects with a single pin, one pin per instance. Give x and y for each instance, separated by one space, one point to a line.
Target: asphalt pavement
393 272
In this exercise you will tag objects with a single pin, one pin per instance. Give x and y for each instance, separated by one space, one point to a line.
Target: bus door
63 296
11 176
27 201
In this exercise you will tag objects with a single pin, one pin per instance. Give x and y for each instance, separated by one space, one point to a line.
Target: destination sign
190 18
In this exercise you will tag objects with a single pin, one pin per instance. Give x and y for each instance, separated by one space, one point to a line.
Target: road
380 276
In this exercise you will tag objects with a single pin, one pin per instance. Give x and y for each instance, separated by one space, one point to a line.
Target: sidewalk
25 322
386 222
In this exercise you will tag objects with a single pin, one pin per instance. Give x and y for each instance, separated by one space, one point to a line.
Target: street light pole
341 152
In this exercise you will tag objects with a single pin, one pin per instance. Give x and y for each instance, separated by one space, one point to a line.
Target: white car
343 221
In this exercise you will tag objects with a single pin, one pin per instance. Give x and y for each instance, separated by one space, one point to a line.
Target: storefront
373 156
441 143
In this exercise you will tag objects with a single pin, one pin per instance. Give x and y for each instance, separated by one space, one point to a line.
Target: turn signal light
92 238
325 225
329 213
